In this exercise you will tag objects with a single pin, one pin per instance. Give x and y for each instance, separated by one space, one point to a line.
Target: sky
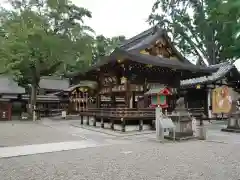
117 17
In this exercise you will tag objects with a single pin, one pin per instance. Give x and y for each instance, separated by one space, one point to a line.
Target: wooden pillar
113 100
145 98
140 125
205 104
123 125
98 100
9 111
94 121
102 123
86 100
209 100
112 124
100 81
81 119
87 120
133 99
77 101
127 94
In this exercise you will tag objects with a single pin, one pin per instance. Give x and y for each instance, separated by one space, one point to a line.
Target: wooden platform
123 116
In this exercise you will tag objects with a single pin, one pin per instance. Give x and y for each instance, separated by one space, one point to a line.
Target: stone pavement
27 138
215 134
102 156
16 151
139 160
15 133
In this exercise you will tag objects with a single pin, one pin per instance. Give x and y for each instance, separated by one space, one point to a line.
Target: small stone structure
234 117
182 120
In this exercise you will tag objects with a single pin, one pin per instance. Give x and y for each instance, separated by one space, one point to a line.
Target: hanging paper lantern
123 80
110 79
119 60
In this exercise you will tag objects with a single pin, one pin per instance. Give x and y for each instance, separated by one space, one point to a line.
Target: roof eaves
222 71
163 62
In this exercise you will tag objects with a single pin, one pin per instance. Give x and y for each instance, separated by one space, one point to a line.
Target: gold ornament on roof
144 52
149 65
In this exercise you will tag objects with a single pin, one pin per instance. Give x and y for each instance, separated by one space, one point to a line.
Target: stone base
109 131
182 134
202 132
231 130
180 138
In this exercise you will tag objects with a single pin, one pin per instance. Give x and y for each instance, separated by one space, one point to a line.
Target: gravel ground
16 133
192 160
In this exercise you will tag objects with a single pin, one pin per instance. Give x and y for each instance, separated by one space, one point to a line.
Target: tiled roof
148 37
91 84
135 45
223 69
9 86
138 38
153 60
154 90
53 83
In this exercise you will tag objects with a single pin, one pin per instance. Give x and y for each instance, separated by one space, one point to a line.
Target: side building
11 104
50 100
14 100
203 92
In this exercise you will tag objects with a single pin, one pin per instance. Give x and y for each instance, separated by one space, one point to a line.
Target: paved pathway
136 161
6 152
26 138
82 154
215 134
16 133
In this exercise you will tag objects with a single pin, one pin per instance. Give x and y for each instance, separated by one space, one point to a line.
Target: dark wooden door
5 111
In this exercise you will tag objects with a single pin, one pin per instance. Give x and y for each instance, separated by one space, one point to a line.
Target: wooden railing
126 113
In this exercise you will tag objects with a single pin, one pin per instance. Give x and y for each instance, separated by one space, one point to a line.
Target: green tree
37 37
203 29
104 46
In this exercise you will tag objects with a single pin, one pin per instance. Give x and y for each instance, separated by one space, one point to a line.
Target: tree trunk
33 101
